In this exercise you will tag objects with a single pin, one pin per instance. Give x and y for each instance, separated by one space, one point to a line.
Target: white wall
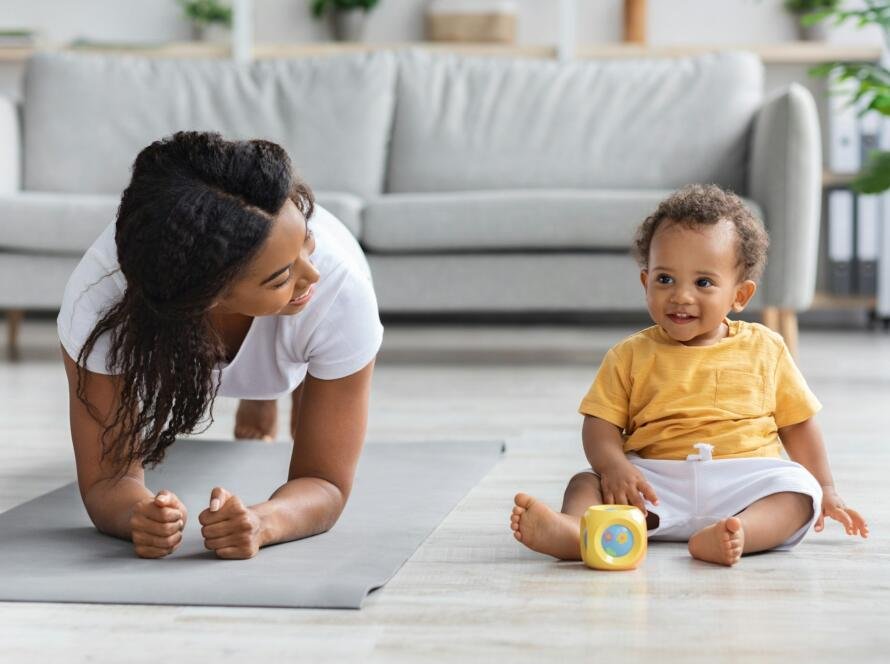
670 21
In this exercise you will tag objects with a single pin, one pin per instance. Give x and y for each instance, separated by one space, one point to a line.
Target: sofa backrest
471 123
87 116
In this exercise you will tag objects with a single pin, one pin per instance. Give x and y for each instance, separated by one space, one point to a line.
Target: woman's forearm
300 508
804 444
109 502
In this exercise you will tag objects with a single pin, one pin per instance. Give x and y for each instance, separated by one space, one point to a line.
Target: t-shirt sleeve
350 334
609 396
795 402
91 290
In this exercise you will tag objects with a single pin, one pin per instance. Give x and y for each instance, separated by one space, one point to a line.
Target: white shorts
695 493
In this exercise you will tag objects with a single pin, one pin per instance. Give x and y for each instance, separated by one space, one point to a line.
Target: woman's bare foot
721 543
545 531
256 420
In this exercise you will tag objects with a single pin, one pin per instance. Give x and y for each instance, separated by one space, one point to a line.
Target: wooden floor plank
471 593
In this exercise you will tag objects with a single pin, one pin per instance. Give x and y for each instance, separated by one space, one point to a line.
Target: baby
687 419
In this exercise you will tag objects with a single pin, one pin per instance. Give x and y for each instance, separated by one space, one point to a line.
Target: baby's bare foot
720 543
545 531
256 420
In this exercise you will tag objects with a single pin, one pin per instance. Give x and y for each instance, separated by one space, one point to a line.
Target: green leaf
875 177
823 69
207 11
318 7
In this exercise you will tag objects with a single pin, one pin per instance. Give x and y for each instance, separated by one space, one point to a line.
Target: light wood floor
471 593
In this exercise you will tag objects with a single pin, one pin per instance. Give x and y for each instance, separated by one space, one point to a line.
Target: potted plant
206 14
347 17
868 85
803 9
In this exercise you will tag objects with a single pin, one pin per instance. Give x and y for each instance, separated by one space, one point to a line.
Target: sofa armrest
10 146
785 179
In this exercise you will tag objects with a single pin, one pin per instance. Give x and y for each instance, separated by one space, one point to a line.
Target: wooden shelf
837 180
790 53
15 53
783 53
830 302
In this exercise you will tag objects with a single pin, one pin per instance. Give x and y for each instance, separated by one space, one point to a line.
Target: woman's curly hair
197 210
699 205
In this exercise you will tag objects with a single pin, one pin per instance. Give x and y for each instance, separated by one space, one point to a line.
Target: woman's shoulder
95 285
336 247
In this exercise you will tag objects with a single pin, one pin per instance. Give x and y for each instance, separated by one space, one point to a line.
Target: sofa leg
14 318
788 329
770 317
783 321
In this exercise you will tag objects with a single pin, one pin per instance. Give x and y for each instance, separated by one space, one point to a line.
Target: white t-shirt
335 335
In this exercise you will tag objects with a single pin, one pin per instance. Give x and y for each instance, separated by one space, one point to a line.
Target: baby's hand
156 525
833 505
623 484
230 529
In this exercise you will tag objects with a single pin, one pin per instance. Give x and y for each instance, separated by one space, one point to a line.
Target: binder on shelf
882 294
868 220
882 290
840 241
844 146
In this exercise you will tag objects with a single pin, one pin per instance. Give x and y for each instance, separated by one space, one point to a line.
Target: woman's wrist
110 502
269 527
300 508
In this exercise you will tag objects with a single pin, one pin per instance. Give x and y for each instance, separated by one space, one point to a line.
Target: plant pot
197 32
816 32
212 32
348 24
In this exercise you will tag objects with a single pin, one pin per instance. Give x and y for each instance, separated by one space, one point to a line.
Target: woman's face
280 279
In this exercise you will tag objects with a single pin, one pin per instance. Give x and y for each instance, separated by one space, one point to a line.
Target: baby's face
693 281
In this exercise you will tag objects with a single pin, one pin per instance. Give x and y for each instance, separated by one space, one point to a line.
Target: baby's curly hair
699 205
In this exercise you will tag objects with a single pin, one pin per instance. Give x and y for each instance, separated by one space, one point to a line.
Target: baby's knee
584 482
802 505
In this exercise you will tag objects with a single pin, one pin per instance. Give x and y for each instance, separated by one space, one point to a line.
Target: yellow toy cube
613 537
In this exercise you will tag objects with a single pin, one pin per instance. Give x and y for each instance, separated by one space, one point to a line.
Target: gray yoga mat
50 552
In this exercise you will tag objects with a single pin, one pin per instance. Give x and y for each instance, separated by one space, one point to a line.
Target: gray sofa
474 184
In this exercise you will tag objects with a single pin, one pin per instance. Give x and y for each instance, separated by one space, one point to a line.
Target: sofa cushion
508 220
87 116
67 224
466 123
517 282
55 223
346 207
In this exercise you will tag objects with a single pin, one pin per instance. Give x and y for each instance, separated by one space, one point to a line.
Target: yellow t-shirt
734 394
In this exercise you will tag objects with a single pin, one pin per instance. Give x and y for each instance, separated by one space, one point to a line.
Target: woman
219 277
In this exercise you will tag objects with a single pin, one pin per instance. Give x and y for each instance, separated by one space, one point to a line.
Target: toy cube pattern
613 537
